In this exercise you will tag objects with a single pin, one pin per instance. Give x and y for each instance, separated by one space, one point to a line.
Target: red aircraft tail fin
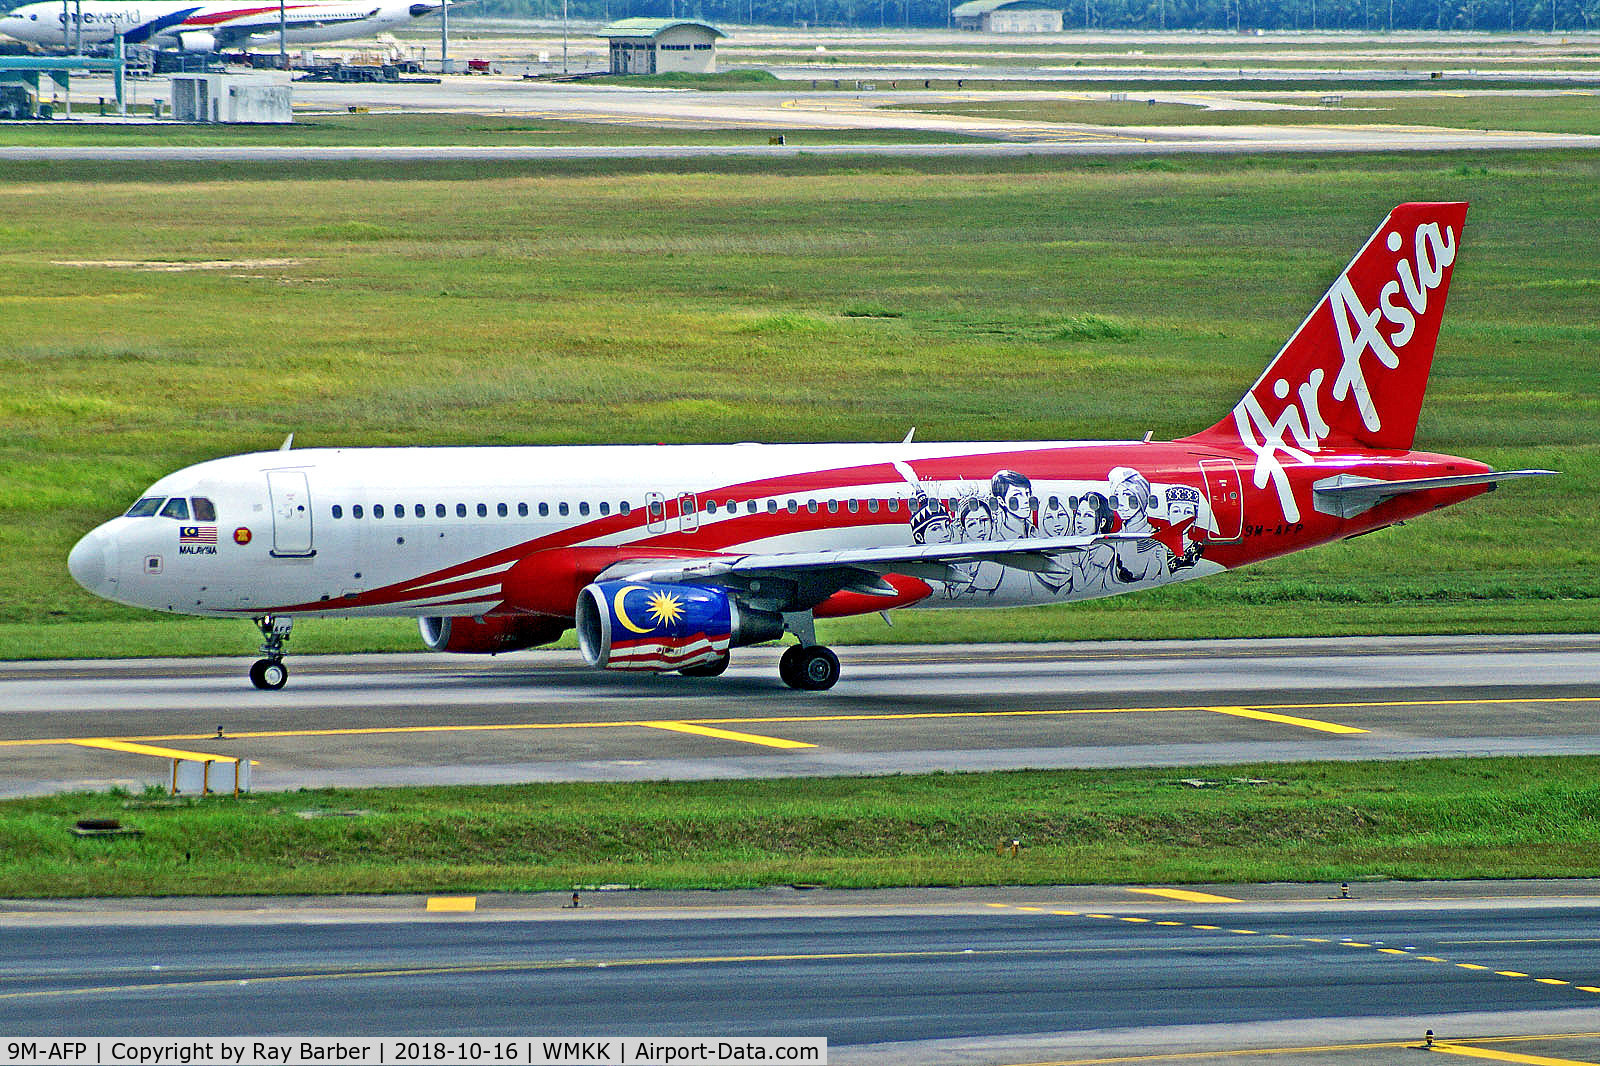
1356 369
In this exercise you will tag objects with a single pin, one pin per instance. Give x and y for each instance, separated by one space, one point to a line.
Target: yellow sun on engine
665 608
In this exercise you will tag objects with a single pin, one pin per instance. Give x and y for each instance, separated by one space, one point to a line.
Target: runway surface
918 976
807 115
436 719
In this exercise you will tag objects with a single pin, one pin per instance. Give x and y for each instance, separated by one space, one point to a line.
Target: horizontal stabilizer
1348 495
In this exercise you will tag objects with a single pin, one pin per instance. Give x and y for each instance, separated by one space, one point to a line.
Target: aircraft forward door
688 512
1226 496
655 512
291 513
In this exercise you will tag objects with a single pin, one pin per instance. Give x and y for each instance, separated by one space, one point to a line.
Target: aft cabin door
1226 495
291 513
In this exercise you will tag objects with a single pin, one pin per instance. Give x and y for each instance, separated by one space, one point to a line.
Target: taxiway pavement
916 976
543 715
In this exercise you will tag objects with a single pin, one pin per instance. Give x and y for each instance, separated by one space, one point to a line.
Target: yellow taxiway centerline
1506 1056
1262 713
146 749
1185 895
728 734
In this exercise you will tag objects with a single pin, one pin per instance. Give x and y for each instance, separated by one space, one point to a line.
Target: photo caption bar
415 1051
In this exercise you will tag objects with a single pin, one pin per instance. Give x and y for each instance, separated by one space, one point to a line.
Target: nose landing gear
270 673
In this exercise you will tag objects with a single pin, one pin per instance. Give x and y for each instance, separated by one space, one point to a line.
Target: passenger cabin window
355 511
522 510
438 510
625 508
711 507
872 505
502 510
483 510
583 508
562 507
544 510
461 510
204 511
338 512
178 508
377 510
146 507
605 507
420 511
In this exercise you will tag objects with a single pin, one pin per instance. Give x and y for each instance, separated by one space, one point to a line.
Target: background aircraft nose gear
270 673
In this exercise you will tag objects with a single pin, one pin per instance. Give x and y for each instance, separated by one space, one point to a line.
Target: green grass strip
1322 821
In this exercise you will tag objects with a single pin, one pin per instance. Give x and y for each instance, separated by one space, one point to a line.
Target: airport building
665 46
1007 16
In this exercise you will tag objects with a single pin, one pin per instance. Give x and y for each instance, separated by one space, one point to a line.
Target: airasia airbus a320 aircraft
665 558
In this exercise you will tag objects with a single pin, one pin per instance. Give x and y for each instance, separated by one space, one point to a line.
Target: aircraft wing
862 569
1348 495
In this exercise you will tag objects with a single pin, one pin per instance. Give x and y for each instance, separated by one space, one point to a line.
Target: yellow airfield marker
453 904
1185 895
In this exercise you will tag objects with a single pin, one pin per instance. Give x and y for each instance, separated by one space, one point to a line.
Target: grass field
1331 822
435 129
799 300
1567 113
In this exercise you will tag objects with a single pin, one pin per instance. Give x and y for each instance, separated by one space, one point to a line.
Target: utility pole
563 36
444 37
283 36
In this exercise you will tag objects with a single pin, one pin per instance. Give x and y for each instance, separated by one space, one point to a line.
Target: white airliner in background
206 27
665 558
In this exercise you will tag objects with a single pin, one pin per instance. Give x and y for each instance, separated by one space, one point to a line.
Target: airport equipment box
225 98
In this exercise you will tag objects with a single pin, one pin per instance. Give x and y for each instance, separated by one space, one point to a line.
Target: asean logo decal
241 535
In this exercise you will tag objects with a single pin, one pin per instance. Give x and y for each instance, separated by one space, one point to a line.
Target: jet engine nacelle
632 625
488 636
197 41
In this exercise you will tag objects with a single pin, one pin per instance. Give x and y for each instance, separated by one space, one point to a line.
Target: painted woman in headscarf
1137 560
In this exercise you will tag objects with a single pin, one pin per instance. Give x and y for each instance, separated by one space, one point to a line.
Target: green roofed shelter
662 46
1007 16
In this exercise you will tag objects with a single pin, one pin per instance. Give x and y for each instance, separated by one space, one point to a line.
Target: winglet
288 442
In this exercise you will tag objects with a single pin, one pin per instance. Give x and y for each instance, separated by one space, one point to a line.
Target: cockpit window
178 508
146 507
204 511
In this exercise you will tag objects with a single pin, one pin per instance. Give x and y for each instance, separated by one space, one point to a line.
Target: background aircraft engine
487 636
196 41
630 625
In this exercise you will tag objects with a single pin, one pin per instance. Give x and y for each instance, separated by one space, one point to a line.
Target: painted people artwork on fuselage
1169 524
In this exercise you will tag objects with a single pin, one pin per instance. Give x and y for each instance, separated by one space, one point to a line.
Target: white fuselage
170 22
439 531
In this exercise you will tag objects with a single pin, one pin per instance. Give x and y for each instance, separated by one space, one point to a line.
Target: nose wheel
270 673
809 668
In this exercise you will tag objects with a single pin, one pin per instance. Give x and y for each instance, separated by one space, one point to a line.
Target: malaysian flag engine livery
667 558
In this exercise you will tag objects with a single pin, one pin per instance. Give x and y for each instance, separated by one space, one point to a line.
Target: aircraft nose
90 562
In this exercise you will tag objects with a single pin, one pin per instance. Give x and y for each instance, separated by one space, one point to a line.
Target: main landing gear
270 673
810 668
807 666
